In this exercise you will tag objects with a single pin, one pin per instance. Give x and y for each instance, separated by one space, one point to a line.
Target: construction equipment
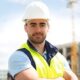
74 50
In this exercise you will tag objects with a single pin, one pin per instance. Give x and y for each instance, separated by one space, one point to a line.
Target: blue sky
12 34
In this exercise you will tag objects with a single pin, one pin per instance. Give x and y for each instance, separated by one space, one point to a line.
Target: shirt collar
30 45
48 47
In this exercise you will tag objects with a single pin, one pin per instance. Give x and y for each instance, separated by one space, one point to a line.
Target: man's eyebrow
32 23
42 22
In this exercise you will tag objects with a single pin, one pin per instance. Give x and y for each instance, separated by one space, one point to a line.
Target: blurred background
64 30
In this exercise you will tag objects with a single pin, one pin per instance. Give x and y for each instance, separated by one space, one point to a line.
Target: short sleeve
18 62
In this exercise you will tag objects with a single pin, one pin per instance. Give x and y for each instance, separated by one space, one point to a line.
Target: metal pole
74 44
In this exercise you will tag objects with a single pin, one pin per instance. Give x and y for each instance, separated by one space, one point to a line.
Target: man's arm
69 75
31 74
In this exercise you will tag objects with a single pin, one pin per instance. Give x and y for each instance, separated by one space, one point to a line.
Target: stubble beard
37 39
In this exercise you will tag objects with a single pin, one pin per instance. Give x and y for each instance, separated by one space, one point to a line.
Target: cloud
19 1
13 30
22 1
11 37
61 30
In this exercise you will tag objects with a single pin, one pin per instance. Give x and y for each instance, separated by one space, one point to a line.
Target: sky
12 33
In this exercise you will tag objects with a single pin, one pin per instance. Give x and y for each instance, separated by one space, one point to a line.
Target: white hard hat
36 10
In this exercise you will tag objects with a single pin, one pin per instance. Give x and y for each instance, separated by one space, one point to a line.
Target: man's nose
38 28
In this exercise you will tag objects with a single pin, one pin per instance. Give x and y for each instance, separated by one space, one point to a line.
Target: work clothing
54 62
52 68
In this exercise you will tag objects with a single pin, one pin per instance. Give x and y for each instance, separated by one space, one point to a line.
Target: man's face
37 30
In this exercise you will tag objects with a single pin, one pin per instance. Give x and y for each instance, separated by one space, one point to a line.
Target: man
37 59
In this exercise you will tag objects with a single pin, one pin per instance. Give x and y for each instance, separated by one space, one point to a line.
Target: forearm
31 74
69 75
37 78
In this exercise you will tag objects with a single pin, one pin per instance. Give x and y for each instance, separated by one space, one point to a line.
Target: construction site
70 50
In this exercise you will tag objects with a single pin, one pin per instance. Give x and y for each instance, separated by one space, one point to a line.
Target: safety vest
54 70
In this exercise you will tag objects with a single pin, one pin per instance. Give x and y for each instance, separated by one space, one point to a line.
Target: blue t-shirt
18 62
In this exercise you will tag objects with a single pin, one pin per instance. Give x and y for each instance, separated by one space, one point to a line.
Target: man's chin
37 42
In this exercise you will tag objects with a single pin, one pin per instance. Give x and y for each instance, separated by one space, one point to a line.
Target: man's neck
39 47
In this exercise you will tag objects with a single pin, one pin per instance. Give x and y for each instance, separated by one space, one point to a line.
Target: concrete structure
3 74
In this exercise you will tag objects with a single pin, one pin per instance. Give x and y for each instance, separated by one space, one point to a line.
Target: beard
37 38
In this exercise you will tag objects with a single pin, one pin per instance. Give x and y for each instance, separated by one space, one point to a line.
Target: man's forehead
36 20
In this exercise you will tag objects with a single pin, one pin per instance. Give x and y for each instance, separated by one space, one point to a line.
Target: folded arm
69 75
31 74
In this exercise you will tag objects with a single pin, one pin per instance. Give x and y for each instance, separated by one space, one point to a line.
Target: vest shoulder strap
9 76
29 55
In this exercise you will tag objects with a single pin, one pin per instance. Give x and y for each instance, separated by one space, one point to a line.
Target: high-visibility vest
54 70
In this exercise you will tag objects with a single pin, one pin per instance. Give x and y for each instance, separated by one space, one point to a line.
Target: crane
74 57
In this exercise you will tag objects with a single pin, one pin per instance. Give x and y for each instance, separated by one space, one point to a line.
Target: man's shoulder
18 61
17 55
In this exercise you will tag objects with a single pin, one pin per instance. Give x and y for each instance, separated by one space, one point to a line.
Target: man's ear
25 27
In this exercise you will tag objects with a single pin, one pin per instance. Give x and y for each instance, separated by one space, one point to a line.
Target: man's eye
33 25
42 25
